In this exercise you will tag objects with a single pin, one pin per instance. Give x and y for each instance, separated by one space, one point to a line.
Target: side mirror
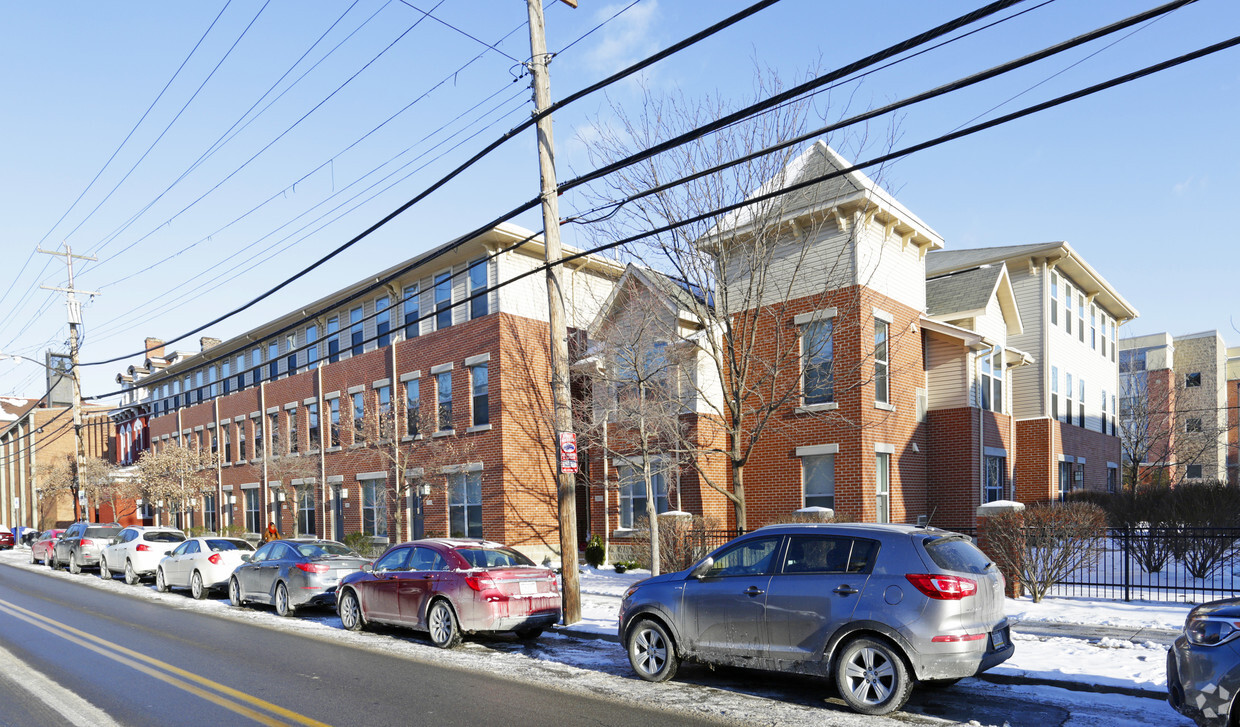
247 558
167 552
700 569
367 567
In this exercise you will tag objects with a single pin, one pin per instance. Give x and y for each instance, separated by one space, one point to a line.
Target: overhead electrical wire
445 23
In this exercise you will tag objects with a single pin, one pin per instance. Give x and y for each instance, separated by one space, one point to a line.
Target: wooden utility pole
566 481
75 319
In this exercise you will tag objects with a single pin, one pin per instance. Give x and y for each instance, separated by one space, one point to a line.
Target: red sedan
41 549
6 539
450 587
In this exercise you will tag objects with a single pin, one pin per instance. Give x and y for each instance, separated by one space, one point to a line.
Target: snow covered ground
599 666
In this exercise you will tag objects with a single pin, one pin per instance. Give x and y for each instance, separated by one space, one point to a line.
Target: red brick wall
955 476
1040 442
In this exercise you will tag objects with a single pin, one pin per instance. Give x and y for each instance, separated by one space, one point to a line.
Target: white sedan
136 550
201 564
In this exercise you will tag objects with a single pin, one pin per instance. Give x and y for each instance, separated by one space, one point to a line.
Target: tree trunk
652 513
738 489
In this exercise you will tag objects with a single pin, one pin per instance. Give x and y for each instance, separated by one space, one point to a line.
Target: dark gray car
877 607
289 574
80 545
1203 665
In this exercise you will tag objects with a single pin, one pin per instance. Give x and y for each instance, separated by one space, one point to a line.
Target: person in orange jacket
271 534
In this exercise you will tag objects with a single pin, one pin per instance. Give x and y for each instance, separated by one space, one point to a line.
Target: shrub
233 531
361 542
810 517
595 554
682 542
1041 545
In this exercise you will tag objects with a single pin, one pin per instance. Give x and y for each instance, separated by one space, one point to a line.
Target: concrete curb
1025 681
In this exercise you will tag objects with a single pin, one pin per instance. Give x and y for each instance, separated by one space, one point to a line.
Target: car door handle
846 590
754 591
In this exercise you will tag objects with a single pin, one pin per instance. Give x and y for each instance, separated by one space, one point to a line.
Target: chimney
154 348
206 342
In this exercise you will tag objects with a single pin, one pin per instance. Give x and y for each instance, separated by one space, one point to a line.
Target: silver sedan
289 574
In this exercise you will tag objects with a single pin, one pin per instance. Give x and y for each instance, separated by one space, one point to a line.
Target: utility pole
566 481
74 307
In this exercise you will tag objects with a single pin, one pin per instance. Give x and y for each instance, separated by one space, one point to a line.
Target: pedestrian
271 534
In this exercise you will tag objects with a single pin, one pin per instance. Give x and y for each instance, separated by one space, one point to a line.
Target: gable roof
967 294
675 295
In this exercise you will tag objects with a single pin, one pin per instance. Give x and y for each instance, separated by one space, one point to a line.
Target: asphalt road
76 654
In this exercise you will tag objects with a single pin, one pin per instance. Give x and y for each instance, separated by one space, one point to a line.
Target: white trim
357 389
884 406
249 485
308 402
380 383
883 315
811 408
414 472
818 315
479 428
371 476
441 368
335 479
255 414
817 449
466 467
882 448
276 409
332 394
995 452
475 360
410 376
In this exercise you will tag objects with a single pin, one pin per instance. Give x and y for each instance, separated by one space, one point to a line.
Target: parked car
7 540
201 564
451 587
41 548
81 544
136 550
1203 665
289 574
875 607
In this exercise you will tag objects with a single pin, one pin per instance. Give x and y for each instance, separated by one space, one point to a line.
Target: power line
441 21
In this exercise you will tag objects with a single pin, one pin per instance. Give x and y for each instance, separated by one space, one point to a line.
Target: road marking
151 666
74 709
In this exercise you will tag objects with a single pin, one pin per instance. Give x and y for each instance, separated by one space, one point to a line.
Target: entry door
337 515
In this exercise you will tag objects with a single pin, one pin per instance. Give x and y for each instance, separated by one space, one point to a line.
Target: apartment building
436 366
1174 411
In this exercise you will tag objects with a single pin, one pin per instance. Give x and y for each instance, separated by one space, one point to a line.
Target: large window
443 392
996 479
633 500
253 503
881 393
305 510
383 321
1112 479
478 306
293 441
333 429
359 416
356 331
443 300
818 480
479 399
413 405
817 384
273 359
208 512
312 347
290 358
1054 298
374 507
465 505
1081 404
333 339
412 311
1067 413
312 424
383 412
1055 393
992 381
1065 480
882 481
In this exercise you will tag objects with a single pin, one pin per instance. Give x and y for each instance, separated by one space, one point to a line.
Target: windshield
493 557
165 537
217 545
101 531
318 550
956 553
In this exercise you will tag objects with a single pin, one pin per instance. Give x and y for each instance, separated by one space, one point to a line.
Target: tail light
86 541
214 559
142 548
953 638
312 567
480 583
941 587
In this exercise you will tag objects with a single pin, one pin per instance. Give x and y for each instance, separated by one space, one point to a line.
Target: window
1112 479
992 381
213 388
1114 340
1192 380
1112 415
1080 309
479 401
412 311
293 441
251 511
305 510
1093 327
333 339
290 361
817 384
465 505
312 347
1102 426
241 451
215 444
1080 422
818 480
312 427
1065 480
374 507
443 391
273 428
256 364
1054 298
383 321
478 307
1132 361
750 558
412 405
273 358
881 393
241 372
333 430
829 554
1192 425
633 500
1102 340
359 416
1067 307
384 411
208 512
356 334
1055 393
225 377
1193 472
1126 406
1067 413
443 300
227 446
996 479
882 481
259 441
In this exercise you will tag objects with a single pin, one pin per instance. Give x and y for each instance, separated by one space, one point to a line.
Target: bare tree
1044 544
100 484
177 475
55 480
741 275
1158 439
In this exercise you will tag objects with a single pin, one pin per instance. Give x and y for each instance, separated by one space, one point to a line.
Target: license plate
999 639
528 587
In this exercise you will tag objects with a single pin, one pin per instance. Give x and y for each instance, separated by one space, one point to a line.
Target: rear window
101 532
956 554
317 550
493 557
216 545
165 537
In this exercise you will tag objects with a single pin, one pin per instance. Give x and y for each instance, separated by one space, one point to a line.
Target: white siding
584 292
947 373
1029 399
887 266
797 270
992 324
1072 356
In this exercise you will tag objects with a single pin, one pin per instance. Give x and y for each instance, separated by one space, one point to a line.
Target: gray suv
80 545
876 607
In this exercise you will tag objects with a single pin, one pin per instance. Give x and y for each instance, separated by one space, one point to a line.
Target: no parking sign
568 453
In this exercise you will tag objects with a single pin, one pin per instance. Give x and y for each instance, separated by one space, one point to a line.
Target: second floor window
992 381
333 339
1055 393
356 336
478 306
1054 298
412 405
412 312
359 416
881 392
312 424
383 321
293 442
333 431
443 391
242 455
817 381
479 400
443 300
273 360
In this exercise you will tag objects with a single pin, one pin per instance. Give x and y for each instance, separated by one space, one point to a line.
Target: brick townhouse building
432 366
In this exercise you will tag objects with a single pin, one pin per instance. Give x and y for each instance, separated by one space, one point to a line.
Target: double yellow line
226 697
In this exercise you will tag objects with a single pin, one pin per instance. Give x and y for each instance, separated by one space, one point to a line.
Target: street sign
568 453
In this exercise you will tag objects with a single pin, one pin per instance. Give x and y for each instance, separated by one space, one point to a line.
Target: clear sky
224 188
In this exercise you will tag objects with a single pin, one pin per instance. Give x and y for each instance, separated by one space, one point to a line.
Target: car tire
161 583
281 601
131 575
652 653
234 592
104 573
442 626
33 560
350 612
50 559
528 634
197 588
871 677
74 566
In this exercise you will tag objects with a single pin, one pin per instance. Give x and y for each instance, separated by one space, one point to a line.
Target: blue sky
1139 179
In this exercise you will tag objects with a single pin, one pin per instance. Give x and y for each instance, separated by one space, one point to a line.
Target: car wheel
282 606
197 588
161 583
528 634
871 677
50 559
74 566
131 576
104 573
441 622
33 560
234 592
351 612
651 651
